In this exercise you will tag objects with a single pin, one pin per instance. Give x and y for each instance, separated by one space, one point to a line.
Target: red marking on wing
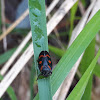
40 62
41 67
49 67
47 56
49 61
41 56
44 56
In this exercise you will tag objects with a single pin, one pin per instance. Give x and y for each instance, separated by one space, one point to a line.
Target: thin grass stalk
3 24
40 43
14 24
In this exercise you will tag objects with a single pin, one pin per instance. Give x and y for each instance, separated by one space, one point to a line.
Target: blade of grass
96 70
84 2
14 24
86 60
10 91
40 42
51 7
79 89
74 51
4 57
57 51
81 8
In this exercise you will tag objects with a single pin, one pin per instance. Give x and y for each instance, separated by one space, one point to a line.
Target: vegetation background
72 64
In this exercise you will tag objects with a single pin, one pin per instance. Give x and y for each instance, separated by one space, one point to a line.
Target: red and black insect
45 63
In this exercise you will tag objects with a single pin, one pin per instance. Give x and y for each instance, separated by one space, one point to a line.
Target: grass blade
4 57
97 70
10 91
57 51
78 91
40 42
86 60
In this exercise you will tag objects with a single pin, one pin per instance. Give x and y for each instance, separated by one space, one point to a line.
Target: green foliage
79 89
40 42
57 51
10 91
74 51
1 77
4 57
97 70
84 2
86 60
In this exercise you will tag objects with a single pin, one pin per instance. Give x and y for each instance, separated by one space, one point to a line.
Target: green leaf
86 60
10 91
74 51
84 2
57 51
97 70
1 77
40 42
4 57
79 89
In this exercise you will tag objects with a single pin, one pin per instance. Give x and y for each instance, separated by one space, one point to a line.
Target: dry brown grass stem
3 23
14 24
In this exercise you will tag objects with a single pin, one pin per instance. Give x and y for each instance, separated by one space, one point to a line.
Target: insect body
45 63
